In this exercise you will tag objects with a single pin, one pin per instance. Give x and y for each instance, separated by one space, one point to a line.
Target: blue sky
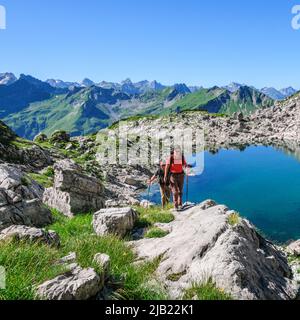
194 41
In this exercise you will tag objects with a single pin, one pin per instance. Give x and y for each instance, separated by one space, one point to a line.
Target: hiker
174 166
164 185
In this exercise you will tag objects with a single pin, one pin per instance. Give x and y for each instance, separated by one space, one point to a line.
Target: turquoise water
261 183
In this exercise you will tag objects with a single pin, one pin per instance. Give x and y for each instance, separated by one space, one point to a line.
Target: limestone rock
294 248
146 204
203 245
36 157
70 258
73 192
76 284
133 182
116 221
21 233
20 202
60 136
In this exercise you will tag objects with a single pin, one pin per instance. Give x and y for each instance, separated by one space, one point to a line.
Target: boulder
60 136
36 157
75 284
20 202
202 245
116 221
294 248
41 137
133 182
21 233
73 191
147 204
70 258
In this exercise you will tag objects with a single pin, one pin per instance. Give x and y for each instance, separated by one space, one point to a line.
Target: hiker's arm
152 179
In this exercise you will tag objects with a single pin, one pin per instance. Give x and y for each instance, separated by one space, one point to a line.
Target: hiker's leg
168 194
163 196
177 191
180 188
174 190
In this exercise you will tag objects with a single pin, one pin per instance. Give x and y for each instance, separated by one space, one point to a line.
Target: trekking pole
187 188
149 195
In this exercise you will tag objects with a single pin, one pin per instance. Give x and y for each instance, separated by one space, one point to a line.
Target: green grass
148 217
234 219
42 179
156 233
45 179
22 143
26 264
196 100
29 264
206 291
25 181
77 235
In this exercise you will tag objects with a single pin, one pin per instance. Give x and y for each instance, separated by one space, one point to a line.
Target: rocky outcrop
23 233
294 248
41 137
73 192
203 245
116 221
20 202
70 258
60 136
76 284
36 157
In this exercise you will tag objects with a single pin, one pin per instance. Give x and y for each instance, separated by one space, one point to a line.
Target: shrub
156 233
206 291
234 219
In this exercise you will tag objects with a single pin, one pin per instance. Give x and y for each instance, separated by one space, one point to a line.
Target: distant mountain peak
278 94
86 82
182 88
126 81
289 91
233 86
7 78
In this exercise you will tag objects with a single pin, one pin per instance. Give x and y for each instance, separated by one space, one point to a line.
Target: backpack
172 162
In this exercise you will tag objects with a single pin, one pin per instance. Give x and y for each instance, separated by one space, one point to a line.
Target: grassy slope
195 101
29 264
55 114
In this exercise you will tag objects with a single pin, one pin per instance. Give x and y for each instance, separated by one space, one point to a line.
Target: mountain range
31 106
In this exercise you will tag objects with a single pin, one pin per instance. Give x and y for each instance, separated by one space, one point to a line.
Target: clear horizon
193 42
